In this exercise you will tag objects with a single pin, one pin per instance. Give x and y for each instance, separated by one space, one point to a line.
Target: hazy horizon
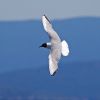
34 9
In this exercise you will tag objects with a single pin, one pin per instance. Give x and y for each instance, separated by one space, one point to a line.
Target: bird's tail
65 48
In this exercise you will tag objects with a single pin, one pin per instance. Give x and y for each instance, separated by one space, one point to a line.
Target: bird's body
56 46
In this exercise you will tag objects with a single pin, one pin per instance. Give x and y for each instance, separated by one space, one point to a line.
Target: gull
57 47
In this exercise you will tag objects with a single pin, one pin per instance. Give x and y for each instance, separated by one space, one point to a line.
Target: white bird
56 46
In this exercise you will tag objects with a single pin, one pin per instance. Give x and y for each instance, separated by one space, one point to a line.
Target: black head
44 45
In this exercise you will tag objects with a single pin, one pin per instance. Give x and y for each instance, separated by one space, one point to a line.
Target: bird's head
44 45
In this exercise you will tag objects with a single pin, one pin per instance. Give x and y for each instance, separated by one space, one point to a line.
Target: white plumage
65 49
57 48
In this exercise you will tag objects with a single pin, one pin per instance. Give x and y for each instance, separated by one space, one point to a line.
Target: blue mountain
24 66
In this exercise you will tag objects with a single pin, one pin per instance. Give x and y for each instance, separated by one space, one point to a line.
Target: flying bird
56 46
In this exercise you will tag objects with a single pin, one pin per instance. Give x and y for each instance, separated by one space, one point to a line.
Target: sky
55 9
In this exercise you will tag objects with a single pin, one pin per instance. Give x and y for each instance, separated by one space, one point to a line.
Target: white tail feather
65 48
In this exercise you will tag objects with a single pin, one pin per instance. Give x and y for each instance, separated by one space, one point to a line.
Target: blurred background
24 73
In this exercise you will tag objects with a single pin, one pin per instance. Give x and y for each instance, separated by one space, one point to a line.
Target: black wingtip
54 73
46 18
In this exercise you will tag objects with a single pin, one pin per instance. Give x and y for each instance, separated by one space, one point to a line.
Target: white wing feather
48 28
54 58
52 65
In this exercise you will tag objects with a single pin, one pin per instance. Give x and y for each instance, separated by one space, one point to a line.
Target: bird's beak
40 46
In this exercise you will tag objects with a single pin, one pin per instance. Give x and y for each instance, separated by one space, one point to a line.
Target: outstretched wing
52 66
48 28
54 58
